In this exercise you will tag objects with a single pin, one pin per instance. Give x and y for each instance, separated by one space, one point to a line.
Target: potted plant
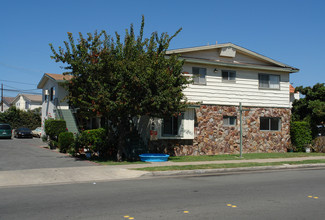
291 148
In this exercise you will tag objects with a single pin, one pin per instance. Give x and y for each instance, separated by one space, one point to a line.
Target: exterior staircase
70 120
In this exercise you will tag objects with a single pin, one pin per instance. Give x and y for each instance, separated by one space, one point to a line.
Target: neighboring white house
27 101
6 103
293 95
54 104
224 75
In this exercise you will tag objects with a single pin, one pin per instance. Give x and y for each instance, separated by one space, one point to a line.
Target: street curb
229 170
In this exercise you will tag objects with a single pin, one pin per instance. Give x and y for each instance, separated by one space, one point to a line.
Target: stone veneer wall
212 137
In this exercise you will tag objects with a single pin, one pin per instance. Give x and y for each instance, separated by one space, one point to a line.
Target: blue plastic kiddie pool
154 157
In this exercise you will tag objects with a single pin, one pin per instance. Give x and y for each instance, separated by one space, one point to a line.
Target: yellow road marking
229 205
131 218
310 196
234 206
315 197
186 211
126 216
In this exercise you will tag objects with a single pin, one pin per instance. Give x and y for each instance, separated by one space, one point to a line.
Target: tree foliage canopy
19 118
120 80
311 108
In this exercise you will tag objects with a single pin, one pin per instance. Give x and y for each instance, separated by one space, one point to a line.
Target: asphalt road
292 194
21 154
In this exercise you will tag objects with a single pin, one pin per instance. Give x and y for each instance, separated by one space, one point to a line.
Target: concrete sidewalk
118 172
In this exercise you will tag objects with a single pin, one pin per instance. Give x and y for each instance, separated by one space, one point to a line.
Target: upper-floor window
270 124
26 105
199 75
228 76
229 120
269 81
172 126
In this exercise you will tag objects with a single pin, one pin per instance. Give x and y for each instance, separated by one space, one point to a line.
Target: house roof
278 65
29 97
54 77
292 89
8 100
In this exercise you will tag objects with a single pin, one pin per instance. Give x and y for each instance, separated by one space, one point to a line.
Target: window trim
197 75
228 120
270 123
266 74
228 80
179 127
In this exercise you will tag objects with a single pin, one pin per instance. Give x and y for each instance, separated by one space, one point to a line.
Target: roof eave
246 66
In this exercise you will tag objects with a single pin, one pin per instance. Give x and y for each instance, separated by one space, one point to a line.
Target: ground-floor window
229 120
172 126
270 124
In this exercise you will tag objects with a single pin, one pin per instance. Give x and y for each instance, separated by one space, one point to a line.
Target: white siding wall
48 106
245 89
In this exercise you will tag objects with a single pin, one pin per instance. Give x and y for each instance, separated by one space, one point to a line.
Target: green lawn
218 157
245 156
230 165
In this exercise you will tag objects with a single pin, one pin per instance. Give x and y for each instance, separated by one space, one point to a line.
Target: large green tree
311 107
122 80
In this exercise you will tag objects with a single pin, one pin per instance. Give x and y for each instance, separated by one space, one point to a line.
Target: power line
18 82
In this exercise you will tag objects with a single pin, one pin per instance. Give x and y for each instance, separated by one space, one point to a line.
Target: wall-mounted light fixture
215 70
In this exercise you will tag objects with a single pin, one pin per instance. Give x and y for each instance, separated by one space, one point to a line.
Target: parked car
5 131
23 133
37 132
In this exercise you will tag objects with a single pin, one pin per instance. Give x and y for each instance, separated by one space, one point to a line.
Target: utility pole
241 128
1 97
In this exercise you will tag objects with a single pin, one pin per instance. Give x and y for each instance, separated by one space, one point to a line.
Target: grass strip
247 156
229 165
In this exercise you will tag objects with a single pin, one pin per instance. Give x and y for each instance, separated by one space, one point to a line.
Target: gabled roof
53 76
242 50
8 100
29 97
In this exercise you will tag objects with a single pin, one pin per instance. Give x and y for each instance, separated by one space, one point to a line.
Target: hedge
93 139
301 134
66 139
54 127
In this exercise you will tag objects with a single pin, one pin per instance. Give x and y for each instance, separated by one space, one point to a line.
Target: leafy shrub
54 127
318 144
53 144
20 118
93 139
66 139
301 134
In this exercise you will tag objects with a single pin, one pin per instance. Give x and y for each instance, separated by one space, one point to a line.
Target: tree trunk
123 131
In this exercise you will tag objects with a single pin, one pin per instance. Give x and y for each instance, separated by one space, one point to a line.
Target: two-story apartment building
224 75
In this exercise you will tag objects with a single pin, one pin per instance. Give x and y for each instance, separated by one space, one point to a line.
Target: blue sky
289 31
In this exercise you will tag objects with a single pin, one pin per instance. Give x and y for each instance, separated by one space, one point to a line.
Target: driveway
21 154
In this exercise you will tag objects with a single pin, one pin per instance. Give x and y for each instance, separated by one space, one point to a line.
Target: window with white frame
199 75
270 124
228 76
229 120
26 105
172 126
269 81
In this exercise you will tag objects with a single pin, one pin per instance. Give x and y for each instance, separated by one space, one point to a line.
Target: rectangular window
269 81
199 75
228 76
172 126
270 124
229 120
26 105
